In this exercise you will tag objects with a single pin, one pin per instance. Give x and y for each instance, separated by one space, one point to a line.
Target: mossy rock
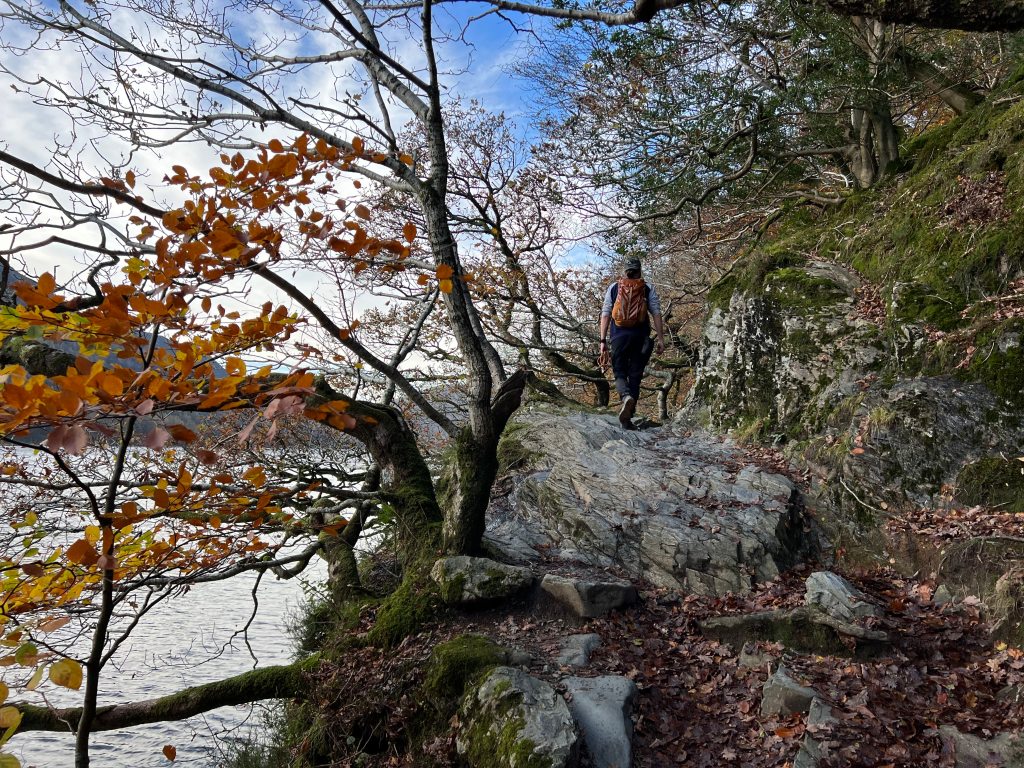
513 720
992 482
456 664
796 288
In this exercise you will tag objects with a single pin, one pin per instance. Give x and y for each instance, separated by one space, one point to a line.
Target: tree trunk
284 682
959 97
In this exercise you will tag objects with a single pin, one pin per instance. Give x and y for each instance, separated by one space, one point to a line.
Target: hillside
880 342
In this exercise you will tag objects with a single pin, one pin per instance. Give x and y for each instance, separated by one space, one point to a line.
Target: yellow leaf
37 678
444 272
445 286
407 159
170 752
9 761
357 145
10 717
4 691
275 146
66 673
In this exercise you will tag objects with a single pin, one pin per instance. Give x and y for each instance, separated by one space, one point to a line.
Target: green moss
495 738
403 612
796 288
999 370
992 482
919 303
456 664
514 452
720 294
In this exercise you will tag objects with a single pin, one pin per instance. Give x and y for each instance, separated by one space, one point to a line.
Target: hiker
630 308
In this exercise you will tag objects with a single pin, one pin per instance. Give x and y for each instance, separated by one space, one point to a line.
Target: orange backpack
630 307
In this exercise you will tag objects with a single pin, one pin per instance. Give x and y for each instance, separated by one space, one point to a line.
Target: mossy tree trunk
465 485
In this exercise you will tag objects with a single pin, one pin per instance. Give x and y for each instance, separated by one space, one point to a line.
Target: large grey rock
512 718
603 708
1005 749
473 579
797 356
682 511
838 598
589 599
785 351
782 695
576 649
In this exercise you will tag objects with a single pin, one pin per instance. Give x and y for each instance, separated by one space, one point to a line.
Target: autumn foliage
154 341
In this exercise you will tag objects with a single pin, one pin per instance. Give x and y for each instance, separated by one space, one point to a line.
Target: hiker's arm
654 308
659 333
606 313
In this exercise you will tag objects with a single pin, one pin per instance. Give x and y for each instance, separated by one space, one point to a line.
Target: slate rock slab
1005 749
589 599
677 508
603 708
782 695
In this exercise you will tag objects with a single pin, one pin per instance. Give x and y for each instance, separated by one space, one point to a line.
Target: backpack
630 307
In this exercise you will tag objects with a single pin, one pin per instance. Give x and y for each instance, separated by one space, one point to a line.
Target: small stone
837 597
782 695
809 754
589 599
576 649
603 709
942 595
751 658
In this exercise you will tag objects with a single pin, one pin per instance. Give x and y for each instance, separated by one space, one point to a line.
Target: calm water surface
186 641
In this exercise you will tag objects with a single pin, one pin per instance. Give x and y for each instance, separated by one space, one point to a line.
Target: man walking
630 308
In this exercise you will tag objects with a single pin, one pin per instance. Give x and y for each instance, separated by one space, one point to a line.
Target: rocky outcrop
876 408
513 720
681 510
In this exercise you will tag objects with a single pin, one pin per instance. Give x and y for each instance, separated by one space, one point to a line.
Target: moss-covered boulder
467 580
513 720
457 663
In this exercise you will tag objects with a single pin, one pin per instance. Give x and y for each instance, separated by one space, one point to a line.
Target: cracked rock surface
681 510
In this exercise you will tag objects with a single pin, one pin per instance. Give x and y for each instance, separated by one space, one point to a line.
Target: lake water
185 641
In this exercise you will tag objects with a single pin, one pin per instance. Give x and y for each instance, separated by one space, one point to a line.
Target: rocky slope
672 507
881 342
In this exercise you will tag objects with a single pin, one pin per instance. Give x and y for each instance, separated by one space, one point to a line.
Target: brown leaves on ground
944 524
697 706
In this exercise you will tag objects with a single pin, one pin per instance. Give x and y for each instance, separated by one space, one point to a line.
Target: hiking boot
626 412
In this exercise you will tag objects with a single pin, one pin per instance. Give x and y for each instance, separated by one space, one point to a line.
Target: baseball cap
631 264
